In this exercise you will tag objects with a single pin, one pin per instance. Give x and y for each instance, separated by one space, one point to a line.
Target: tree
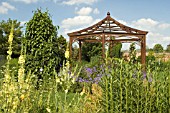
132 53
168 48
91 49
5 27
42 48
150 56
158 48
1 33
62 45
115 50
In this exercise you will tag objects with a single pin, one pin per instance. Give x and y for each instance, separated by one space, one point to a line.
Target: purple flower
86 81
144 75
89 70
90 79
97 79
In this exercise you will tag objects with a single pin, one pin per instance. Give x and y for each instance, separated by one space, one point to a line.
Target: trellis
103 32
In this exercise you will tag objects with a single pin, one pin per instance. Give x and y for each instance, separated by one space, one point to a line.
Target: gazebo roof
108 26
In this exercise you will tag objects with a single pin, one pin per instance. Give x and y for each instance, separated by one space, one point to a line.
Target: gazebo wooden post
143 50
103 45
70 46
79 50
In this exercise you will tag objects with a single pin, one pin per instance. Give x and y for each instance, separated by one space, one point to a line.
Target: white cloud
26 1
3 10
122 22
96 11
157 38
76 2
84 11
76 21
95 21
5 7
8 6
164 26
158 31
145 24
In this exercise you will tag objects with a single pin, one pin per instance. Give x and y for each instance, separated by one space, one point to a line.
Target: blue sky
70 15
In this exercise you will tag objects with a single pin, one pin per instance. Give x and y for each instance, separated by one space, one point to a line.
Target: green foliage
18 94
132 53
122 87
158 48
61 43
127 89
75 53
150 57
2 60
115 50
91 49
42 47
1 33
4 33
168 48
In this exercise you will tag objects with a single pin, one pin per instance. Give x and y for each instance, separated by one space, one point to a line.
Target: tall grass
128 89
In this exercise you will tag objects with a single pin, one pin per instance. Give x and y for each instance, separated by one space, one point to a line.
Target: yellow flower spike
67 54
10 39
21 72
22 97
9 52
68 64
21 59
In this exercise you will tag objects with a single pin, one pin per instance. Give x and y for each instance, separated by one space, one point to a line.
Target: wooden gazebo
104 30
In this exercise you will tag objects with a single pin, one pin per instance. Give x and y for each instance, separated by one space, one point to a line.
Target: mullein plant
9 96
24 83
14 90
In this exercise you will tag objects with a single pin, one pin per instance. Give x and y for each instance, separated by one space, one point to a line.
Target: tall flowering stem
9 86
10 39
21 70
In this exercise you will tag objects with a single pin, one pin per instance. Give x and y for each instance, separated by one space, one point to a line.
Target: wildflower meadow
110 85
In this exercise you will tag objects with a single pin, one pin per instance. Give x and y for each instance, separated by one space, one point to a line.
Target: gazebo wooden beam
109 27
70 46
116 40
106 33
80 50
